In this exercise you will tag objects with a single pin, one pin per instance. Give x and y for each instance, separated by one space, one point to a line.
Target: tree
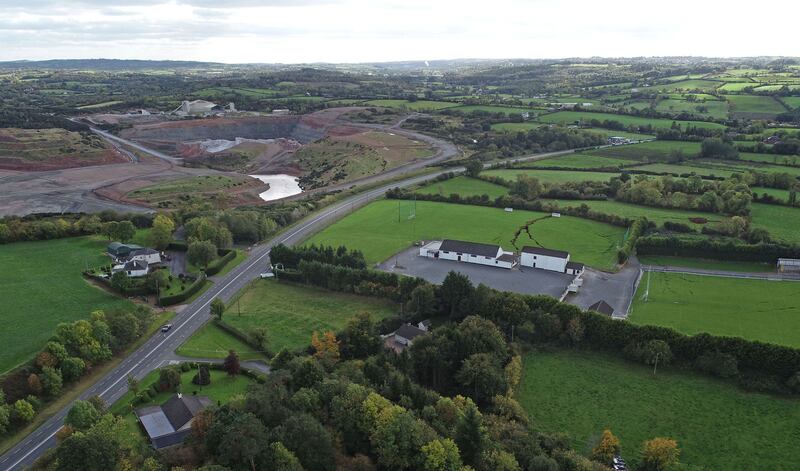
231 364
169 379
133 384
659 454
120 281
242 442
456 293
217 308
526 187
100 448
125 231
359 339
279 458
82 416
326 348
5 418
655 352
482 375
608 447
201 252
161 232
441 455
470 435
34 384
473 168
72 368
23 411
203 376
52 382
398 439
499 460
422 301
513 374
301 429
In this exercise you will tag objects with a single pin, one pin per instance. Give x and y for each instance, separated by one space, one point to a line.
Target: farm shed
545 259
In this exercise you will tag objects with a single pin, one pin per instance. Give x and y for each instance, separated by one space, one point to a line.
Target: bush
183 295
718 364
217 265
185 367
203 376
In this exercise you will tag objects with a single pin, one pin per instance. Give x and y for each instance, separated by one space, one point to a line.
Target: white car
267 274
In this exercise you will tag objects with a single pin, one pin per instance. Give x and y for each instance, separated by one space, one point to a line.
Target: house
169 424
470 252
424 325
602 307
617 140
772 140
133 268
788 264
403 337
149 256
574 268
545 259
120 250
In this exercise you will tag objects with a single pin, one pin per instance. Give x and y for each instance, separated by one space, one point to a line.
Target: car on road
166 327
267 274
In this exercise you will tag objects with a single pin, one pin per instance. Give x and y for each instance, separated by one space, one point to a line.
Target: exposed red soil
111 156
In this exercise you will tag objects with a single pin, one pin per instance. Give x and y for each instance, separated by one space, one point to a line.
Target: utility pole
655 364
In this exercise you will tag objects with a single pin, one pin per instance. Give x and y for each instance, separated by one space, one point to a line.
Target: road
119 140
159 349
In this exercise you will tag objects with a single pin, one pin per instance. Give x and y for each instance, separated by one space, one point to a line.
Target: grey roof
134 265
544 251
144 251
507 257
171 439
602 307
409 331
426 322
575 265
474 248
166 424
180 410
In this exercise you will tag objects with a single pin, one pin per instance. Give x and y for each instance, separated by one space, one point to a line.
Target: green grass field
464 186
40 286
736 86
750 267
717 426
791 101
420 105
569 117
781 221
678 169
752 309
213 342
495 109
774 192
755 105
578 161
291 313
790 160
691 84
707 109
649 151
628 210
552 176
516 127
379 234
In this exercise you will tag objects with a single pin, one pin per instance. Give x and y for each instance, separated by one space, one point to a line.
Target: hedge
715 249
241 336
217 265
178 246
184 295
636 230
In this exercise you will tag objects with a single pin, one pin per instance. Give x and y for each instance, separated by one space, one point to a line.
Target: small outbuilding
788 264
574 268
120 250
602 307
169 424
545 259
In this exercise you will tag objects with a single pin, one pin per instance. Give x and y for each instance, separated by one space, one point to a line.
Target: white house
546 259
470 252
148 256
403 337
134 268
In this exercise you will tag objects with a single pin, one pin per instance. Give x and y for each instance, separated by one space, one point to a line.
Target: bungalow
470 252
133 269
148 256
169 424
404 336
546 259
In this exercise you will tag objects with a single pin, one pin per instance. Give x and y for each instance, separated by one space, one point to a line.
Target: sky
301 31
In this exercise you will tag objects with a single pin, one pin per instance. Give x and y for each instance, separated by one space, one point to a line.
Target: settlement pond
280 186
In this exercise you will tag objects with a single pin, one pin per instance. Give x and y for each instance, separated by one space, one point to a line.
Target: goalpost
406 210
646 294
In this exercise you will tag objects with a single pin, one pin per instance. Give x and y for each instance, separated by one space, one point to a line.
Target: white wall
149 259
479 259
544 262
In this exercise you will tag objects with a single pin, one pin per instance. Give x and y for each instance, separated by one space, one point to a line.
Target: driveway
524 280
617 289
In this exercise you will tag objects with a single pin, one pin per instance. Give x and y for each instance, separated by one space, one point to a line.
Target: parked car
166 327
267 274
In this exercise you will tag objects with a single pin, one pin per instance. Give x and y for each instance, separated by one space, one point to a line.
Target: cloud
374 30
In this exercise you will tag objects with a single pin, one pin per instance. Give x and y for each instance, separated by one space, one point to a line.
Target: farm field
551 176
495 109
748 267
291 313
743 166
677 169
634 136
691 84
40 286
569 117
782 222
380 235
578 161
464 186
791 101
583 393
755 106
516 127
420 105
752 309
633 211
774 192
776 159
736 86
213 342
714 109
648 151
